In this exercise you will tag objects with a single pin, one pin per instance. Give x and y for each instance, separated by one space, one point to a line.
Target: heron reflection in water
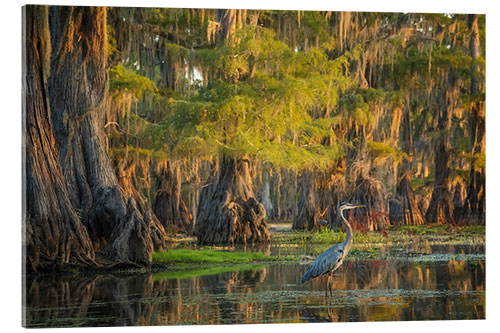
331 259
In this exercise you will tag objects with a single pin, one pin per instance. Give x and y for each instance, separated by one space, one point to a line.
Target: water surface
432 283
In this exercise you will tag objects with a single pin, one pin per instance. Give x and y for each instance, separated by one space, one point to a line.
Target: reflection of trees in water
243 282
365 290
402 290
127 294
63 301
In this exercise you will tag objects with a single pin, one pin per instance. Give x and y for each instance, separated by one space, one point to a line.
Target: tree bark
363 189
228 212
474 208
54 234
308 207
168 204
265 195
441 205
405 210
126 172
78 91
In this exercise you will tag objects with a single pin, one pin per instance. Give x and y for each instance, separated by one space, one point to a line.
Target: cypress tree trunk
277 185
361 188
441 205
227 23
168 204
53 232
405 210
78 92
265 199
228 212
474 207
126 173
308 208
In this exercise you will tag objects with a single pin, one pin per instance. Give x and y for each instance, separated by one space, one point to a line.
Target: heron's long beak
357 206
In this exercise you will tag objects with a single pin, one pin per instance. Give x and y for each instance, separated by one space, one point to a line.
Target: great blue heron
331 259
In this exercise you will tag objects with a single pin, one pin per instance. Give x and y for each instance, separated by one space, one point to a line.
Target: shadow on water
450 286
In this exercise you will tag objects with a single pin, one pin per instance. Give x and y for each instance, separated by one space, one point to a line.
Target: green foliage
381 149
472 99
359 110
418 184
138 152
371 95
79 213
112 44
478 160
443 58
122 79
282 92
177 51
184 24
269 114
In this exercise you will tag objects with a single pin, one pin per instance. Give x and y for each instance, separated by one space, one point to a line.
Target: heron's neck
348 232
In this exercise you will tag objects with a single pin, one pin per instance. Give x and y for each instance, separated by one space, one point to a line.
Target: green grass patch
424 229
440 229
474 229
206 256
188 273
326 236
371 243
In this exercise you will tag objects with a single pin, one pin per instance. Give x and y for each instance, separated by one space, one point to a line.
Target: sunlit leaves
123 79
381 150
266 100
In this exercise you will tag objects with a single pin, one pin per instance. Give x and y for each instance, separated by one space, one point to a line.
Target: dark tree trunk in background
441 205
405 209
474 207
228 212
361 188
229 20
308 207
78 91
168 204
266 191
53 233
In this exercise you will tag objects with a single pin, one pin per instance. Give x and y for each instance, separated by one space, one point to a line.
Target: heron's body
327 262
331 259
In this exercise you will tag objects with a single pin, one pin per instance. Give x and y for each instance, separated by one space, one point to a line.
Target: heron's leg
328 283
331 283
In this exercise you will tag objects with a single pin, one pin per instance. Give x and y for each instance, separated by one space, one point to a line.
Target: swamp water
439 283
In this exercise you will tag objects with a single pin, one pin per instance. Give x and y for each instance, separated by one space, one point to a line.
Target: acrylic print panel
230 166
